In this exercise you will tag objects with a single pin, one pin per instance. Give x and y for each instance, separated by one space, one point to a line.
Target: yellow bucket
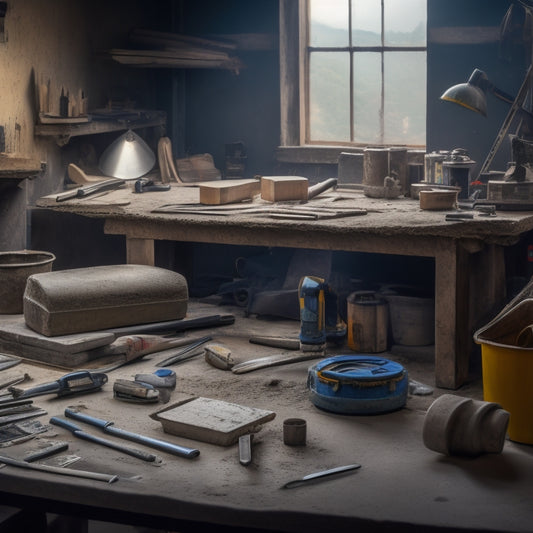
507 362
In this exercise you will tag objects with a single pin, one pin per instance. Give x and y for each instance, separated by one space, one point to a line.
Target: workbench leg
140 251
452 352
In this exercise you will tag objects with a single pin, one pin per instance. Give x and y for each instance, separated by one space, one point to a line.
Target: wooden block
228 191
209 420
280 188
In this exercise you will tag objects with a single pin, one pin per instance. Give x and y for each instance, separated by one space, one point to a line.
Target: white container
412 316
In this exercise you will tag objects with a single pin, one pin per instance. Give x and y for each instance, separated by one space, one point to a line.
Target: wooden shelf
64 132
15 169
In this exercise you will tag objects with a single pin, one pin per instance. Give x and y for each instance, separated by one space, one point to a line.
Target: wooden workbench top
388 217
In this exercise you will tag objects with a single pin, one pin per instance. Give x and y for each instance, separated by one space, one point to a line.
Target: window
358 72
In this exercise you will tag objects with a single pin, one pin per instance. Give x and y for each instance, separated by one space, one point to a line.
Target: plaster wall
61 41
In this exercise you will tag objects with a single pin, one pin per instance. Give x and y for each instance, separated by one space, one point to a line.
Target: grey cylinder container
455 425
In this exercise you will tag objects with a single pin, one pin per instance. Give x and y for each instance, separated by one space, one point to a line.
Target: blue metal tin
358 384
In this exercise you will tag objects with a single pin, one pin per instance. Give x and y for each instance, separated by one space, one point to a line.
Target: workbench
391 226
401 484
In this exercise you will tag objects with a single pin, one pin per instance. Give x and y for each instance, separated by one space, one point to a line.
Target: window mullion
351 96
382 99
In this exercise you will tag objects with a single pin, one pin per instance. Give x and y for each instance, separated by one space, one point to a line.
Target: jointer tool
78 432
69 384
108 427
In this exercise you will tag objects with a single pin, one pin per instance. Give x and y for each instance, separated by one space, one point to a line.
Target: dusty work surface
399 482
399 216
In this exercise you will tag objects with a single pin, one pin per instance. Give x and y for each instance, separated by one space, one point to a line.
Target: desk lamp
472 95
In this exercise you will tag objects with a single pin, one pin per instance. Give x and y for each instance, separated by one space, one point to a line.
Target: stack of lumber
172 50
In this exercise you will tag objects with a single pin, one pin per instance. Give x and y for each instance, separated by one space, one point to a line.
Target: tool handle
109 427
65 424
76 415
162 445
139 454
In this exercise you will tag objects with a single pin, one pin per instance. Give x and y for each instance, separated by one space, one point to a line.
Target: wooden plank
280 188
228 191
13 328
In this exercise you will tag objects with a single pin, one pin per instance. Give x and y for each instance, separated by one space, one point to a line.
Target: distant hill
404 85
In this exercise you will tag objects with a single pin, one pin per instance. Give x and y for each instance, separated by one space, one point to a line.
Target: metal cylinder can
368 321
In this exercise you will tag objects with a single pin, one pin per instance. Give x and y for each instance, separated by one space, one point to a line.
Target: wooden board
213 421
228 191
13 328
282 188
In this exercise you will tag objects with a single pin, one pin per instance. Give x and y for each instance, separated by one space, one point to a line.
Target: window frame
294 69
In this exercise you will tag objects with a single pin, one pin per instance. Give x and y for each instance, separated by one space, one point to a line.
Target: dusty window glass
365 72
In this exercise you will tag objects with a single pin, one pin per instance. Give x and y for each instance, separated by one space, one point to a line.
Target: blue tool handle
139 454
108 427
98 422
65 424
165 446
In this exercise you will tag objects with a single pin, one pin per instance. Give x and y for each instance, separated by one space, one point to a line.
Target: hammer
147 185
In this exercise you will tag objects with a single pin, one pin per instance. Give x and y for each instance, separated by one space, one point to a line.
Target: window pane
405 22
328 23
329 96
366 22
405 97
367 97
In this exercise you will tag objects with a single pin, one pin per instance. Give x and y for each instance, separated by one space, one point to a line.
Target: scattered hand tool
245 449
274 360
108 427
78 432
88 190
163 379
18 432
319 475
7 361
186 353
57 470
135 391
73 383
320 187
14 381
19 410
46 451
176 326
147 185
219 356
277 342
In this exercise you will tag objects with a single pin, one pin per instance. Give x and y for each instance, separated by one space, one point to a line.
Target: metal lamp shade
127 157
470 94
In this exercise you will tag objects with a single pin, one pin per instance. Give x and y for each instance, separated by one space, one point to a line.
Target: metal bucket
15 268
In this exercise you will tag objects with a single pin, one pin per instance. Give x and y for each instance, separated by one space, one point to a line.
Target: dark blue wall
448 125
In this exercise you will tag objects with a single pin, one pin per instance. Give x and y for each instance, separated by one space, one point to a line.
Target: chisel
108 427
78 432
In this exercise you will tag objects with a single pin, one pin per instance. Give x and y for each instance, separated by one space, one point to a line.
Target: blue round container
358 384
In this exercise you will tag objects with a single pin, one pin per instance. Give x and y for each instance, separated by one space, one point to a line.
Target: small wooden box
282 188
